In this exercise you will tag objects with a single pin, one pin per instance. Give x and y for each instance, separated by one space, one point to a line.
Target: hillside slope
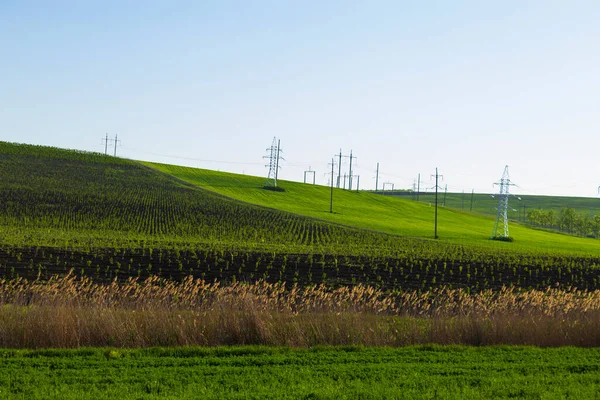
67 212
48 192
388 214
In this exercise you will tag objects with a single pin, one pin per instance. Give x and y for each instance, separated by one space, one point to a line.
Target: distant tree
534 216
596 226
566 219
551 218
583 224
544 218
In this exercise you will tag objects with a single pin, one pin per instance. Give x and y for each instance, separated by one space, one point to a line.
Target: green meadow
389 214
422 372
97 250
64 211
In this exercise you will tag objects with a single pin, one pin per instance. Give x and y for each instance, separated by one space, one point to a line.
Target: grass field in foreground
423 372
382 213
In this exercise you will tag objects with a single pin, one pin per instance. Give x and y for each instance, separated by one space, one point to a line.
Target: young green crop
388 214
79 195
422 372
109 218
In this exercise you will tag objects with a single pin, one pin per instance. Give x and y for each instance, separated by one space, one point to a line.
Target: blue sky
465 86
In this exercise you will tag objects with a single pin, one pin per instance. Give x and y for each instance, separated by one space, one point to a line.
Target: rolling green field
422 372
204 257
388 214
106 218
486 203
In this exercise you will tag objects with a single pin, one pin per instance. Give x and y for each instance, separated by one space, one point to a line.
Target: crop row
401 273
107 218
77 194
56 193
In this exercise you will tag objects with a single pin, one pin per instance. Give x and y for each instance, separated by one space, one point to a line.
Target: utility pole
331 190
445 193
387 183
116 143
377 179
108 142
418 186
472 194
105 140
345 180
339 170
310 172
357 182
437 176
350 172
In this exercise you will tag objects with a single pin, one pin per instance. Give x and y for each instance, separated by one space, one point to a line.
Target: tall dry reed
74 312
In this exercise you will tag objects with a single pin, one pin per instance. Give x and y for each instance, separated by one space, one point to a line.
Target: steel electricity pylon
273 156
502 214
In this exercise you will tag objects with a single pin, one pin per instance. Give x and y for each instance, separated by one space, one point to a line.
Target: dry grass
71 312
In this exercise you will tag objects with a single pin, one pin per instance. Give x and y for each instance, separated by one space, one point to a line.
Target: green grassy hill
66 211
60 197
390 214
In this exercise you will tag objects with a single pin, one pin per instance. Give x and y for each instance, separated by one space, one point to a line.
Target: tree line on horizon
567 220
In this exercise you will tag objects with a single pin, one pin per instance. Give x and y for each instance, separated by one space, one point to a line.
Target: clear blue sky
466 86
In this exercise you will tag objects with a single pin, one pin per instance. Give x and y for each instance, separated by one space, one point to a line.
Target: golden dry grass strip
72 312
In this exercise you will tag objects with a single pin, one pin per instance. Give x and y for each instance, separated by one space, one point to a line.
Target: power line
112 142
445 193
472 195
437 176
301 163
339 170
384 173
350 172
377 178
277 162
340 155
105 140
357 180
310 172
116 142
418 186
331 190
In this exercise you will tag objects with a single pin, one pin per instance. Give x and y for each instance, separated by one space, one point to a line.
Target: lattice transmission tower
273 156
502 214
